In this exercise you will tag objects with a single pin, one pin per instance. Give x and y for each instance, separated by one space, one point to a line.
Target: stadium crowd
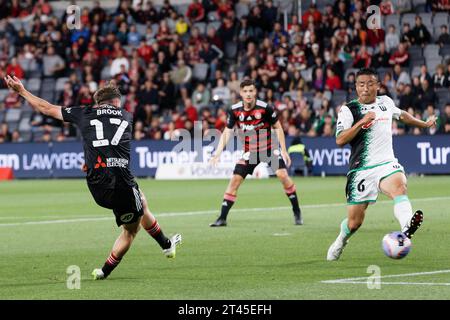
176 65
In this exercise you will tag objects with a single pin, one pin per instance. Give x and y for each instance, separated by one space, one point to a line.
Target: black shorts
125 202
244 167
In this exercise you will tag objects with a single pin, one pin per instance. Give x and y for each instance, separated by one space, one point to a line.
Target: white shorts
363 185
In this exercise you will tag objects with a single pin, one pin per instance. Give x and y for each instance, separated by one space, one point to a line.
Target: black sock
157 234
110 264
228 201
292 195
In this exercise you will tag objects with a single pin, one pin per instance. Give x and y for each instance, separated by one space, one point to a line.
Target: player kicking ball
255 118
106 130
366 124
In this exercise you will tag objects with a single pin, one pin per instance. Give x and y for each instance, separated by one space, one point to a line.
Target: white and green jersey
372 146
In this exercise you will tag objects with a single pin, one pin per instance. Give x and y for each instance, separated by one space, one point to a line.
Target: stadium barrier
418 154
6 174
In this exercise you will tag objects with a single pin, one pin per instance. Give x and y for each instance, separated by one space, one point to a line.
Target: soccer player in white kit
366 124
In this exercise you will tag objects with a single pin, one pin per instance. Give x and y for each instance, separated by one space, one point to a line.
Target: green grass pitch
48 225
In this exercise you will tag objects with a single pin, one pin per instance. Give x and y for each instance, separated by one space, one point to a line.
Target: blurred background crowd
180 64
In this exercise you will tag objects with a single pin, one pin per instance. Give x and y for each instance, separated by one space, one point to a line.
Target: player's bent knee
282 174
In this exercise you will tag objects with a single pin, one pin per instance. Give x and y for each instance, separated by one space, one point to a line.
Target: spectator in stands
420 34
139 133
201 96
407 34
424 75
446 119
256 23
314 13
133 36
349 84
233 83
14 69
439 79
318 79
66 97
181 26
406 97
400 56
427 96
400 76
53 64
403 6
118 62
5 135
381 58
447 75
155 131
362 58
269 68
195 12
166 93
444 37
221 92
440 5
12 100
333 81
429 112
386 7
392 39
210 54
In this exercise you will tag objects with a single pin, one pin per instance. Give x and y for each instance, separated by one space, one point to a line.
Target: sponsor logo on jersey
368 125
68 110
241 117
249 127
100 163
116 162
127 217
111 162
249 118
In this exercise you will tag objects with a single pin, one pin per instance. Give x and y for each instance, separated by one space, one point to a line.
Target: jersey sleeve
231 119
396 112
345 120
72 114
272 115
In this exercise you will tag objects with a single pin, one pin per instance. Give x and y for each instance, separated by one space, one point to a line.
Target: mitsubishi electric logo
99 163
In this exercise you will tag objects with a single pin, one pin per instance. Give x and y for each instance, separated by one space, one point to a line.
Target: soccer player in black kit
254 120
106 131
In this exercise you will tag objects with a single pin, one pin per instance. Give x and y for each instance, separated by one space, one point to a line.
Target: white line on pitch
193 213
399 283
355 280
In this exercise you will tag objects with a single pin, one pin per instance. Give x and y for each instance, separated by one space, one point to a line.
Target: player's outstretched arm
345 136
37 103
409 120
224 138
281 139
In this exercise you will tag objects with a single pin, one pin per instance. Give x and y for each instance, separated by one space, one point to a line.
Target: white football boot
174 240
98 274
335 250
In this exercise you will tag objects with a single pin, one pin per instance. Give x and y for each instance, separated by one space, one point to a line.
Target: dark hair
246 83
367 72
107 93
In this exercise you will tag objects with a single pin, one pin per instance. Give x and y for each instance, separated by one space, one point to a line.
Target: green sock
345 231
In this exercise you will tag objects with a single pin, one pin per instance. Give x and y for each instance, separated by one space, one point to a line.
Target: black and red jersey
254 125
106 132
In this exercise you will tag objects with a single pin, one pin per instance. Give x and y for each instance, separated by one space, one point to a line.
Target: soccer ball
396 245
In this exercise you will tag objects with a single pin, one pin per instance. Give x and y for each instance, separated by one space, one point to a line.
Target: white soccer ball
396 245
